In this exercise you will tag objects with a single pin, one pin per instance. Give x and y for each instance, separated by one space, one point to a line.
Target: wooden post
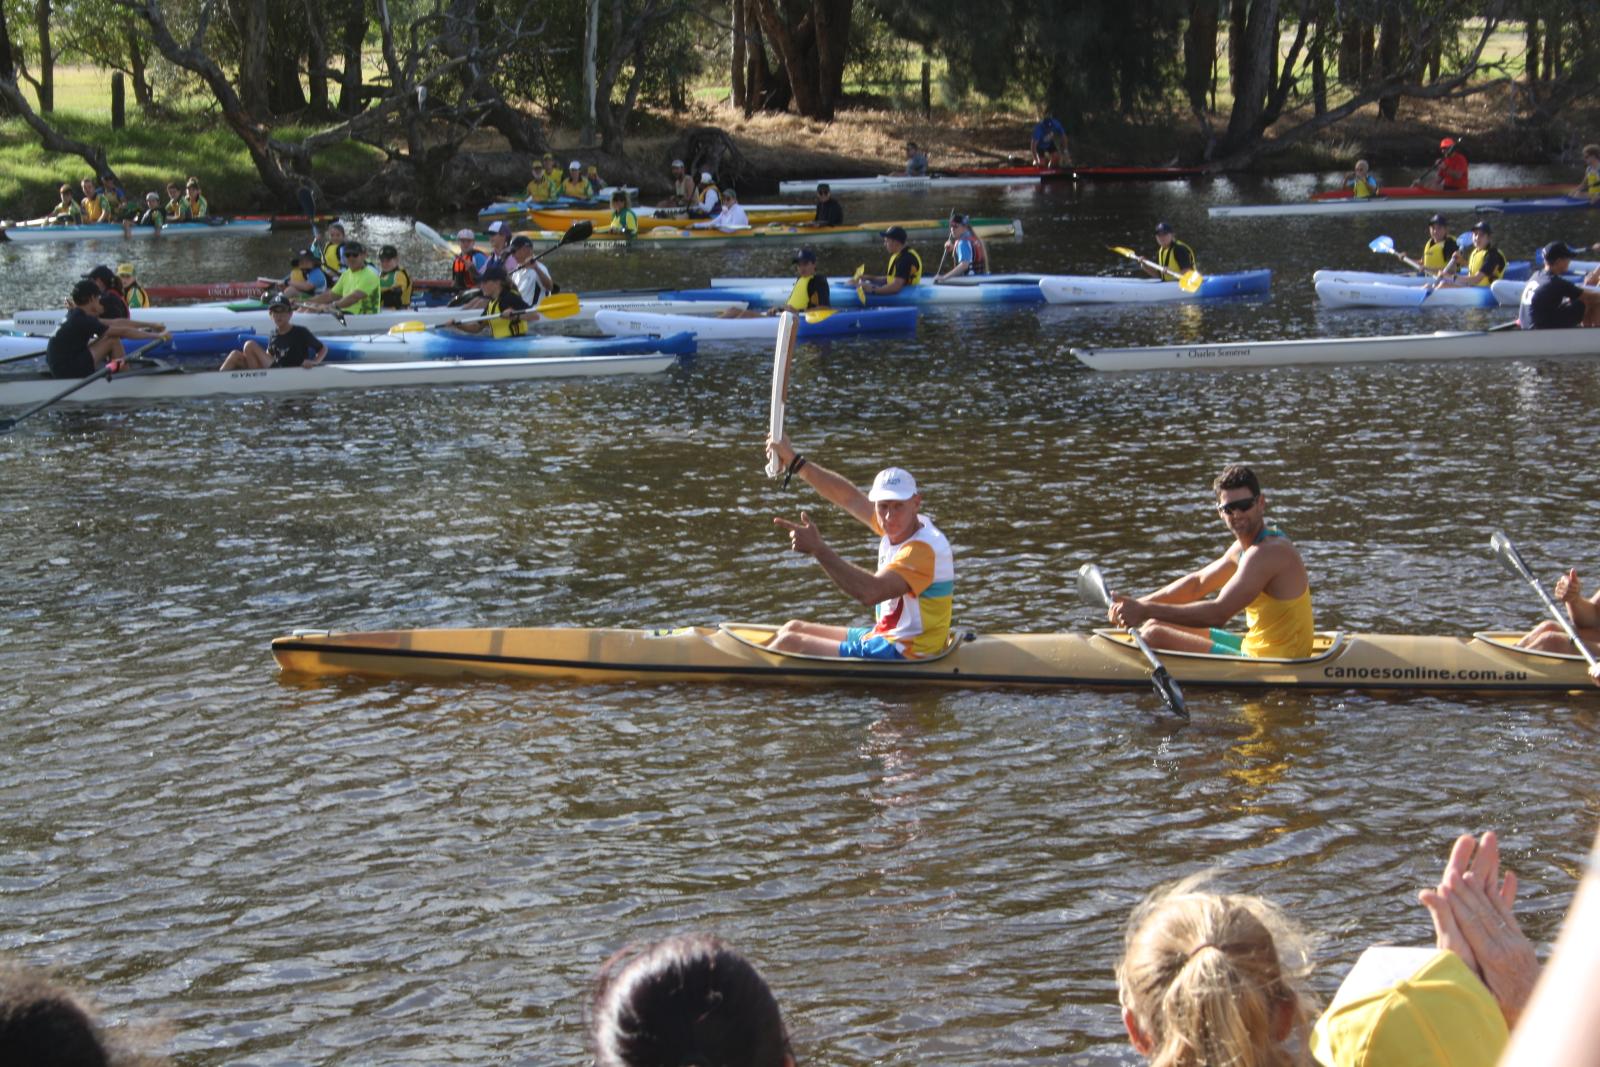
118 102
591 44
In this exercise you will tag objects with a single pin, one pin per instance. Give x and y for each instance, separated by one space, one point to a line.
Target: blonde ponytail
1216 980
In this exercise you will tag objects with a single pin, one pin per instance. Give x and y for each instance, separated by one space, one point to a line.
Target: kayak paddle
1189 281
1385 245
855 279
1092 587
1507 553
560 306
111 367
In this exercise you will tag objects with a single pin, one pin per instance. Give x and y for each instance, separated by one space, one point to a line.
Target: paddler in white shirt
911 591
730 218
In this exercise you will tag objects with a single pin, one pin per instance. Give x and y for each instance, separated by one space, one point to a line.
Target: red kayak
1502 192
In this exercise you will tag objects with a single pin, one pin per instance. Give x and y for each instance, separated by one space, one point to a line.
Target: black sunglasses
1233 507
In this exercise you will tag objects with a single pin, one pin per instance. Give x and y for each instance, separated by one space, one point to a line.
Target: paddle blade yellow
819 314
1190 281
408 327
861 294
560 306
1119 250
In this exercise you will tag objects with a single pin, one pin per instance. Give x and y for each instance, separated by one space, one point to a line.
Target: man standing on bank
913 587
1260 574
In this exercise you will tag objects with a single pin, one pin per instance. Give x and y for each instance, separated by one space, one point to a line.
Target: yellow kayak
739 653
562 218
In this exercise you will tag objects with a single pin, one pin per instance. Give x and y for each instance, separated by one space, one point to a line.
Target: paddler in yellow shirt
623 218
506 314
95 204
1484 262
1440 251
1261 574
1589 184
810 290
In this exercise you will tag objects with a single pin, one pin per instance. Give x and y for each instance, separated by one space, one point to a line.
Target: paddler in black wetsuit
1551 302
84 341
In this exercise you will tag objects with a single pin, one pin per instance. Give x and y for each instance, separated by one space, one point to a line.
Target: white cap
892 483
705 175
574 165
677 162
465 232
497 227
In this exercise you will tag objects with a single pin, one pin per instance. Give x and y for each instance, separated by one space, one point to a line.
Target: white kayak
1337 291
1509 294
114 231
170 383
1372 205
814 325
1444 345
1093 289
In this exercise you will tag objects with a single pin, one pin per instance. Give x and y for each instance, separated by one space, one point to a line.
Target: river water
347 872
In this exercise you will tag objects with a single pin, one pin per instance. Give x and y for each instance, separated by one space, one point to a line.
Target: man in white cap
469 262
682 187
913 587
499 246
706 202
576 185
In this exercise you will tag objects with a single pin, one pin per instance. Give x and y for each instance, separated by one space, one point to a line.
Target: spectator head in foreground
689 999
1214 978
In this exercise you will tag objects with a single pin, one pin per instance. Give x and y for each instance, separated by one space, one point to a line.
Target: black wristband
794 467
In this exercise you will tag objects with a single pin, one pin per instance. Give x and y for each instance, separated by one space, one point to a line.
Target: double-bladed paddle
1507 553
1189 281
112 365
1092 587
1385 245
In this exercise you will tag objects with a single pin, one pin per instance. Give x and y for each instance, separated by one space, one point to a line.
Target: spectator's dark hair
1236 476
687 1000
44 1024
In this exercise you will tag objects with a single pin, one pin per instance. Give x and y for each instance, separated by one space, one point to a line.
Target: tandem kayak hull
447 344
843 294
1336 291
1090 289
813 326
114 232
776 234
1444 345
737 653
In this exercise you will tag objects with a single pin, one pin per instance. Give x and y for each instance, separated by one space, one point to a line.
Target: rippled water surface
346 872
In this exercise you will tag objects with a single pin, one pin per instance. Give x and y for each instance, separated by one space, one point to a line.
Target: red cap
1447 143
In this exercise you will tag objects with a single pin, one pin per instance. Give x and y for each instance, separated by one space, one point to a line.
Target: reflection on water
348 872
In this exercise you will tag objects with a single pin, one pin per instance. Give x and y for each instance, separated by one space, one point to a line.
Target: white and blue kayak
113 231
814 325
1339 292
1373 204
170 382
449 344
769 292
1093 289
1452 345
899 183
1529 207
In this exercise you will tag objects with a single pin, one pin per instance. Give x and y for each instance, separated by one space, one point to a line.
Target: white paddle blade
1092 585
1383 244
783 349
1507 553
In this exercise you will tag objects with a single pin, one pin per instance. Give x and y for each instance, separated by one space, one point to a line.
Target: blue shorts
1225 643
861 643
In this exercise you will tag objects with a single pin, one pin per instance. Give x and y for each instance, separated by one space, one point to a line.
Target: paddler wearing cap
829 211
1484 262
356 290
911 591
394 281
1441 248
132 292
499 254
86 338
306 276
682 184
531 277
905 266
505 313
1551 302
705 197
1449 171
545 186
971 255
468 264
809 293
1178 258
289 346
575 184
730 217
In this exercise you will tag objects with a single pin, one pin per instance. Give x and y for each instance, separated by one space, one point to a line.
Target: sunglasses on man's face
1235 507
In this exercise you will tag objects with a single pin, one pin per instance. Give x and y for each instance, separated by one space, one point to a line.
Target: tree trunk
1530 67
591 88
1552 50
1350 56
1368 64
832 21
1257 55
8 68
143 95
737 66
1238 19
350 81
47 57
250 18
1199 51
812 51
317 58
1388 59
1319 72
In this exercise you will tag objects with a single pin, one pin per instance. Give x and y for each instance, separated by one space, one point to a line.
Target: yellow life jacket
503 327
135 295
916 269
1168 257
1434 256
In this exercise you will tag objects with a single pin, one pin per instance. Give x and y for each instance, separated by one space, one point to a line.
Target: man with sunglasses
1260 574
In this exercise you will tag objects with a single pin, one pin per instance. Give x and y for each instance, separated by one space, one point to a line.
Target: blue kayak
444 344
842 294
814 325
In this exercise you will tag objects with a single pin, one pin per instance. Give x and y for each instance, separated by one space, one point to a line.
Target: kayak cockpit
760 635
1506 641
1324 644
